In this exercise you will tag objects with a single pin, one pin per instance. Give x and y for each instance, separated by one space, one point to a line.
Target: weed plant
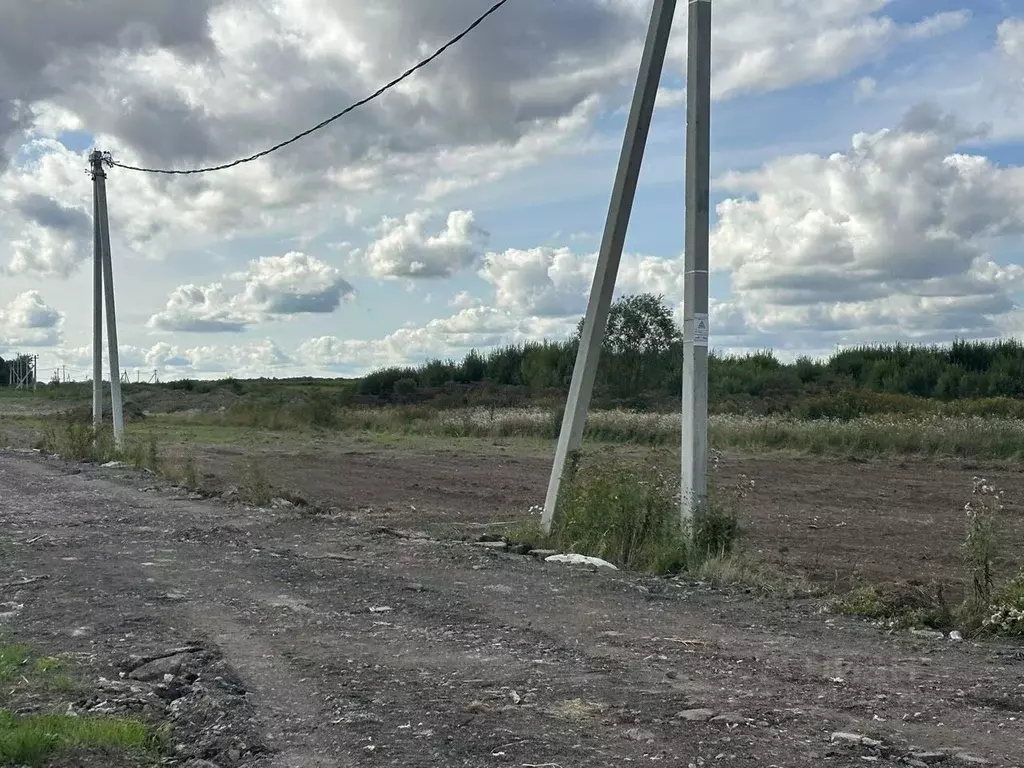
627 512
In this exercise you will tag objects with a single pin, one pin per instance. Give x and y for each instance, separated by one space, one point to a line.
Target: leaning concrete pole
100 189
623 192
96 169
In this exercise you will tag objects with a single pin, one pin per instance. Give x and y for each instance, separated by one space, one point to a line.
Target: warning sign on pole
700 330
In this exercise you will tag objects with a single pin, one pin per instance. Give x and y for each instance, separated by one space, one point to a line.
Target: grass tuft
189 473
255 487
898 605
1005 613
33 739
13 658
736 569
36 739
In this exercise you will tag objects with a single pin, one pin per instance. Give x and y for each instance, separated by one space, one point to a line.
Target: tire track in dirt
479 659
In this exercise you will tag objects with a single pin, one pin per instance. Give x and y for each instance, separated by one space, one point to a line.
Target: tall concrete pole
623 192
96 168
108 292
694 485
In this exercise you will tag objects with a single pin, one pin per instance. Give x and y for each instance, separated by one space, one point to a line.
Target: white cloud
1010 35
294 283
555 282
253 359
775 44
274 287
465 300
454 336
45 212
405 249
165 86
885 240
865 88
202 309
539 281
28 321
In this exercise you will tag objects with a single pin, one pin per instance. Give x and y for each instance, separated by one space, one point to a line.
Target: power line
379 92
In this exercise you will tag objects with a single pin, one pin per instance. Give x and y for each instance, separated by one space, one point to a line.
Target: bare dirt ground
834 520
338 642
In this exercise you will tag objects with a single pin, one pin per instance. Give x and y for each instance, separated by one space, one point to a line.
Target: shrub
1006 609
189 474
255 487
980 544
626 513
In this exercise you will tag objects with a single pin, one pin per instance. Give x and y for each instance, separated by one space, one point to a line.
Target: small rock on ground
543 554
496 545
930 758
966 759
854 739
639 734
695 715
731 718
574 559
155 670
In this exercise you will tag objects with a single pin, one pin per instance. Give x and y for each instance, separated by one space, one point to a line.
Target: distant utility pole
694 478
103 287
623 192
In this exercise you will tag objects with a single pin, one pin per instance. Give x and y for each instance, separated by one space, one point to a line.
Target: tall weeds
627 512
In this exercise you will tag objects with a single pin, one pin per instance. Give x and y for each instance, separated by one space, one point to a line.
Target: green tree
639 334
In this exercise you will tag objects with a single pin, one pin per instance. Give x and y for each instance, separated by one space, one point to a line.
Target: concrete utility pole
96 169
694 485
623 192
100 208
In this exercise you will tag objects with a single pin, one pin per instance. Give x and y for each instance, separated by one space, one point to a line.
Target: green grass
31 740
897 605
255 488
13 657
980 430
34 739
48 664
626 511
1005 613
738 569
977 437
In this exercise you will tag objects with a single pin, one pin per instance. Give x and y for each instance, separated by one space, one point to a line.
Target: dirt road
358 646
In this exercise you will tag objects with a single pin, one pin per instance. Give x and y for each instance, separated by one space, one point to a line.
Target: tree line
641 362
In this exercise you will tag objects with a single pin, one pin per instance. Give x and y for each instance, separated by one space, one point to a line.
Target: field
872 499
836 516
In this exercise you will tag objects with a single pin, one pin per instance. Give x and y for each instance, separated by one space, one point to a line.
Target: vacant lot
864 500
332 641
358 628
836 520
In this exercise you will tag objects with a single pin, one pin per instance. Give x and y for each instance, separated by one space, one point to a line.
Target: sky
867 177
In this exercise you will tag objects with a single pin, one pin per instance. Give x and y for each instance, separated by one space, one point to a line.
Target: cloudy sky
868 164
